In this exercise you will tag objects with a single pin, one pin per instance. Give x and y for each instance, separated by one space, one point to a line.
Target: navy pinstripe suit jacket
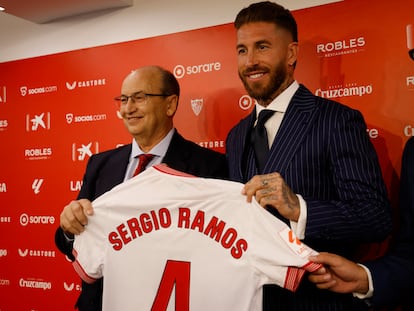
323 152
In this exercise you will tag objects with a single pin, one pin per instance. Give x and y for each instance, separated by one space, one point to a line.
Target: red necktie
144 159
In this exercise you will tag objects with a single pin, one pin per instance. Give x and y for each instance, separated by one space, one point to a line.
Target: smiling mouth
134 118
255 75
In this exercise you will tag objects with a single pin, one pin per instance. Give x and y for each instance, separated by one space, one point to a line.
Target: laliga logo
23 90
294 243
37 183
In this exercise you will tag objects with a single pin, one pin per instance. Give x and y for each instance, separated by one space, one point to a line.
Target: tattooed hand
272 190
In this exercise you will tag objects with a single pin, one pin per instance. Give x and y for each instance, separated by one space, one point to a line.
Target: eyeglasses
137 97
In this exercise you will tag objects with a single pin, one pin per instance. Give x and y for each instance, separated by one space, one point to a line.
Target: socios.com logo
180 71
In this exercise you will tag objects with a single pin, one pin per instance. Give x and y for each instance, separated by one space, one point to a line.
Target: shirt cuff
68 239
370 284
299 227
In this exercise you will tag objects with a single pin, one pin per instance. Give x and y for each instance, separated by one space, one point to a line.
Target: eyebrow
133 93
257 43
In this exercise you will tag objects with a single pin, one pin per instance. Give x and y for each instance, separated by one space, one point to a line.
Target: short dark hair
270 12
169 82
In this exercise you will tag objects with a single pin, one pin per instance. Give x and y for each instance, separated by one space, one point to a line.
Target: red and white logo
197 105
37 183
38 121
246 102
79 152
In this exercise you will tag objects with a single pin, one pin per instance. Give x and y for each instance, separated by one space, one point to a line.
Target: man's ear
293 49
172 105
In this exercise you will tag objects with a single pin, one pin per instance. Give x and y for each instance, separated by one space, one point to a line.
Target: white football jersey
165 240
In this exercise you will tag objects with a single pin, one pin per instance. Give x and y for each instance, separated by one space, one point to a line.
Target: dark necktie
259 139
144 159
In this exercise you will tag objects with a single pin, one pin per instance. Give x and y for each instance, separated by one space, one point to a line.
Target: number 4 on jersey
175 273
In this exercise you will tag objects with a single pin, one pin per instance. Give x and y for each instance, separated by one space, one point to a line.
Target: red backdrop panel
57 110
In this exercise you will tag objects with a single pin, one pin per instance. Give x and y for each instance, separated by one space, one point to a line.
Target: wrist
363 281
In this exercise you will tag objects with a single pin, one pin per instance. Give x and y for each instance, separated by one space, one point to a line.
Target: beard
264 93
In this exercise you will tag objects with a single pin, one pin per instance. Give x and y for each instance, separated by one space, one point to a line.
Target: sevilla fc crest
197 105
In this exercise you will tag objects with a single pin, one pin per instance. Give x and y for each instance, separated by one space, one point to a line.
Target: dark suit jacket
323 152
107 169
393 274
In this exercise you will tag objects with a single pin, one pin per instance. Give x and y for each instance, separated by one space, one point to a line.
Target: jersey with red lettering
164 240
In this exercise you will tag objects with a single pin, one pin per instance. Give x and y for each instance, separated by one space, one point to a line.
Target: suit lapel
245 160
113 172
177 153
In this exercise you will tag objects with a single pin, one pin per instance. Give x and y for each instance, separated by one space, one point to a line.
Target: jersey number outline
175 273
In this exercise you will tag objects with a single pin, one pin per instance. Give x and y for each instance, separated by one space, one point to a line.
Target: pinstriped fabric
323 152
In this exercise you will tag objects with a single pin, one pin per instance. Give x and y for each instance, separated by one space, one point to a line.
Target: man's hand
74 216
272 190
339 274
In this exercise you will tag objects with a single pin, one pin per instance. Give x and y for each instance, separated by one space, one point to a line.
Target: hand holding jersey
74 217
270 190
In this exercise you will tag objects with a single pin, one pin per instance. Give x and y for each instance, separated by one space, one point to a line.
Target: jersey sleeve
276 253
89 248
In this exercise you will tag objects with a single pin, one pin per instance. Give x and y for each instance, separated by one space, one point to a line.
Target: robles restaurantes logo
410 82
180 70
86 83
340 47
3 125
38 153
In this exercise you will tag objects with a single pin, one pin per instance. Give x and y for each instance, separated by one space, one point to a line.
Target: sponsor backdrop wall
57 110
